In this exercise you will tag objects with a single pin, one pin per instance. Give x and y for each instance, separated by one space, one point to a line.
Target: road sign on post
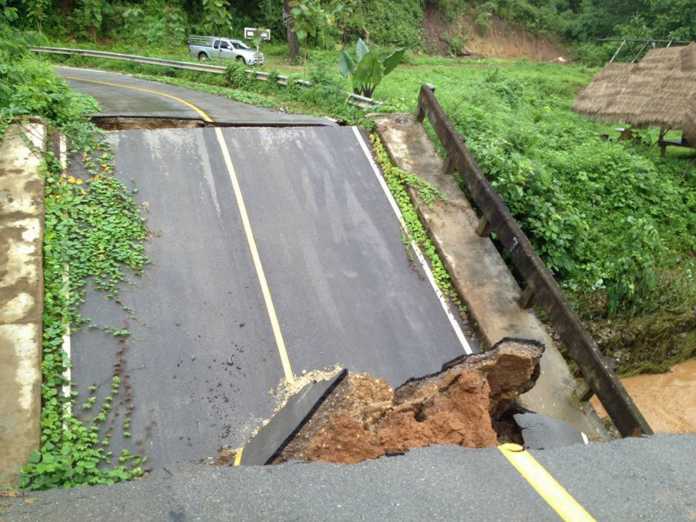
251 33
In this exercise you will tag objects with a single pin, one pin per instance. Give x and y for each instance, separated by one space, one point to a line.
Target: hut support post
617 51
662 143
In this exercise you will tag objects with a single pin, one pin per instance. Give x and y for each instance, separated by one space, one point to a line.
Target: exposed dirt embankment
500 39
366 419
650 343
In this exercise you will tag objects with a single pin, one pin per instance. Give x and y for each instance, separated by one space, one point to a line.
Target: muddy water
667 400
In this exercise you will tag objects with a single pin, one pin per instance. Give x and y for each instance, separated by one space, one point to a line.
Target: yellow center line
246 224
544 484
238 456
190 105
265 290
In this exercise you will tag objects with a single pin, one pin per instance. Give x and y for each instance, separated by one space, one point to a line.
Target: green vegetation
163 23
367 69
327 23
93 231
583 22
398 181
28 87
610 219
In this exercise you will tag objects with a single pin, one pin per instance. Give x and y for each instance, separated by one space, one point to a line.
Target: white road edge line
421 259
265 290
67 373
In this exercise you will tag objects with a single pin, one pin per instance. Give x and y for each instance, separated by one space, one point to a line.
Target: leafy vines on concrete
398 180
93 231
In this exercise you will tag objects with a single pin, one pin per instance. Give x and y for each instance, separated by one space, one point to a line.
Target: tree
293 41
90 15
216 17
37 12
311 20
8 14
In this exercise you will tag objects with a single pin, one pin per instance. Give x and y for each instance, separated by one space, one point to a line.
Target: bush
483 22
28 86
451 9
386 22
593 54
236 75
456 45
155 23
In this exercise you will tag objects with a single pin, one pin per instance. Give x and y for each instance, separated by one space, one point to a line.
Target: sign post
251 33
257 34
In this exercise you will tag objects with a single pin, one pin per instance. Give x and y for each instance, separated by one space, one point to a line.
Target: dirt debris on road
366 419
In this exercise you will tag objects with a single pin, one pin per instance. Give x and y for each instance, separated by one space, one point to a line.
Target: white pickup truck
208 47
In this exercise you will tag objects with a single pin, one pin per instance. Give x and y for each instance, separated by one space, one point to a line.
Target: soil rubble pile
462 405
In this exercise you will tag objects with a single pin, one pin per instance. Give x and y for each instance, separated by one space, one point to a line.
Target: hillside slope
500 39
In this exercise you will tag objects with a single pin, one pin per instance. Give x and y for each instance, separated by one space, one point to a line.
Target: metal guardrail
541 288
353 99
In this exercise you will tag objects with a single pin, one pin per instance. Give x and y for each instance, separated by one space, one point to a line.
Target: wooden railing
541 288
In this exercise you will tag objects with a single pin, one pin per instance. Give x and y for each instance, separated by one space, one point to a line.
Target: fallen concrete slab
540 432
479 273
21 296
270 441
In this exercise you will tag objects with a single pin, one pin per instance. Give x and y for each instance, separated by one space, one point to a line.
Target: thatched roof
659 90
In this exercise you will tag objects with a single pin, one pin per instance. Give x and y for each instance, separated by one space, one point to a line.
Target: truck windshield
240 45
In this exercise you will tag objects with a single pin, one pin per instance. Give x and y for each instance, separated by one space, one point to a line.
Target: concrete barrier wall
21 296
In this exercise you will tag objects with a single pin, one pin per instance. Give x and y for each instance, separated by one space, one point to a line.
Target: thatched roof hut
660 90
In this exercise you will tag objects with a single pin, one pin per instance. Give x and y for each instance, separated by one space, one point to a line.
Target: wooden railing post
422 101
484 227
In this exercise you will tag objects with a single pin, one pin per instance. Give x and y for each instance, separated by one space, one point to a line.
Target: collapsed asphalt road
274 251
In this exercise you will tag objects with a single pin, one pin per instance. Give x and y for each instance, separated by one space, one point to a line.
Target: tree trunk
293 42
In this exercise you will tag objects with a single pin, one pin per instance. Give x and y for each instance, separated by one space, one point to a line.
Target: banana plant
368 68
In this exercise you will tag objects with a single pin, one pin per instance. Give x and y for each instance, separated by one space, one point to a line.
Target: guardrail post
527 297
584 392
449 167
420 115
422 112
484 227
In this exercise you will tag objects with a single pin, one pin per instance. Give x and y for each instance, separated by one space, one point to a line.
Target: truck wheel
241 60
202 57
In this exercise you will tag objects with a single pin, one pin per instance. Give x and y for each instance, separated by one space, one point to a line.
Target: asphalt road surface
634 479
203 356
124 95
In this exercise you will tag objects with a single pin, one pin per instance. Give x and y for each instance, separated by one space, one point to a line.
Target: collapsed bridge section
273 251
